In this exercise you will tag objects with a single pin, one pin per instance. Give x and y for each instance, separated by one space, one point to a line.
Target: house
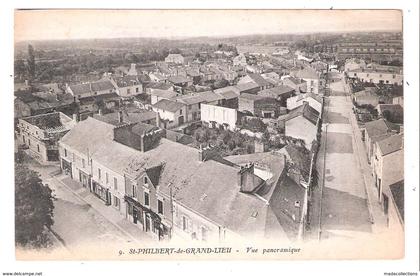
250 88
91 89
90 105
393 203
171 113
376 76
230 96
219 116
366 97
150 87
281 93
158 94
157 77
29 104
354 64
299 85
314 100
180 81
302 123
194 101
257 79
388 162
311 76
393 113
41 133
259 106
127 86
375 131
398 100
174 58
239 60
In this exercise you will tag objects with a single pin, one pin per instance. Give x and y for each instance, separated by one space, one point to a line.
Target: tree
33 208
31 62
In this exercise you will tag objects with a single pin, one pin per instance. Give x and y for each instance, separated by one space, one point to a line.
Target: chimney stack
120 116
207 153
247 180
26 82
76 117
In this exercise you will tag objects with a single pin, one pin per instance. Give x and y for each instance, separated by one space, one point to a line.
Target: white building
219 116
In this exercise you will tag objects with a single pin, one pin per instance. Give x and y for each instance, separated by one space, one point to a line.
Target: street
78 225
345 211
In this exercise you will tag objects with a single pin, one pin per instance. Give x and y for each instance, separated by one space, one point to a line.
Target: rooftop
168 105
391 144
379 127
306 111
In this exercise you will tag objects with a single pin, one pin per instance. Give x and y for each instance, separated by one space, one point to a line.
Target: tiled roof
307 73
379 127
259 80
84 88
246 86
128 117
251 97
159 85
391 144
102 85
126 81
276 91
306 111
178 79
167 94
201 97
168 105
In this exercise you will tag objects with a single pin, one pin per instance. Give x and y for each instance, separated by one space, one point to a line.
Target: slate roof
397 192
208 188
168 105
391 144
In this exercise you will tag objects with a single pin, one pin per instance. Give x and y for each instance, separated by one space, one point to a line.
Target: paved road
345 212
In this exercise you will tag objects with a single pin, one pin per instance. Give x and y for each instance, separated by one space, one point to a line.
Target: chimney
133 67
100 112
247 180
76 117
120 116
207 153
26 82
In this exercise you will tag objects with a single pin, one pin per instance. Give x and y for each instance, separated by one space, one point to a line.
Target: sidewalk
378 218
108 212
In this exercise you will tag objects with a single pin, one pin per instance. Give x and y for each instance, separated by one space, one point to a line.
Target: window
134 191
203 234
99 173
146 199
137 89
83 163
128 90
146 180
190 107
184 224
65 153
106 178
393 76
117 202
110 91
29 141
115 184
180 112
160 207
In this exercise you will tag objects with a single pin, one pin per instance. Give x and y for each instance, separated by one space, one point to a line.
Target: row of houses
171 190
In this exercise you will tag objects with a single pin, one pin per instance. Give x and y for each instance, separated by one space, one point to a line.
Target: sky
75 24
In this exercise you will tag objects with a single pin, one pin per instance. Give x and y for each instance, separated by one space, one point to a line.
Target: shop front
84 178
101 192
67 168
146 219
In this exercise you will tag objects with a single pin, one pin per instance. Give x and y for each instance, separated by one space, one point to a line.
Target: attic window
254 214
